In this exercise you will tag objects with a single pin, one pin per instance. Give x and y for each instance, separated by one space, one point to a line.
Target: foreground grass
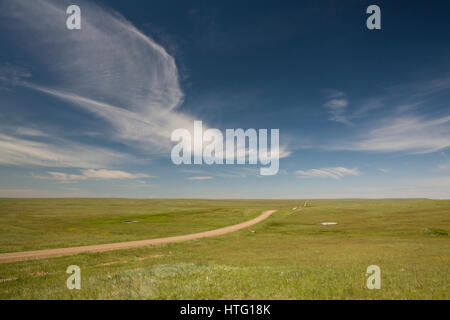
289 256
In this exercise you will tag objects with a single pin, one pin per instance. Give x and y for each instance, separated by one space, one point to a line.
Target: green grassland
289 256
32 224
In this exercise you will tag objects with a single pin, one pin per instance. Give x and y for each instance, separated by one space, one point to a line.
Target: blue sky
89 113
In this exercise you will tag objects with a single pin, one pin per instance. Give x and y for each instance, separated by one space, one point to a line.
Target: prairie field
287 256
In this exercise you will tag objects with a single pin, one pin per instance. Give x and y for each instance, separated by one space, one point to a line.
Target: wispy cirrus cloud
334 173
421 89
102 174
336 106
30 132
200 178
223 172
108 68
402 123
13 75
60 153
411 133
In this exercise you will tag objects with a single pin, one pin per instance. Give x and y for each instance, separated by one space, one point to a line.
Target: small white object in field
131 221
328 223
253 231
294 208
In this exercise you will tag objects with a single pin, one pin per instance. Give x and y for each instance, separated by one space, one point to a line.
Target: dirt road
40 254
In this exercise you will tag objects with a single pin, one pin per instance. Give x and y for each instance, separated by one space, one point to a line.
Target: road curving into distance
49 253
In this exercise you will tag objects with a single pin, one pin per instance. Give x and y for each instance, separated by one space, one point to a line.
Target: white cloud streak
102 174
334 173
200 178
17 151
412 134
30 132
